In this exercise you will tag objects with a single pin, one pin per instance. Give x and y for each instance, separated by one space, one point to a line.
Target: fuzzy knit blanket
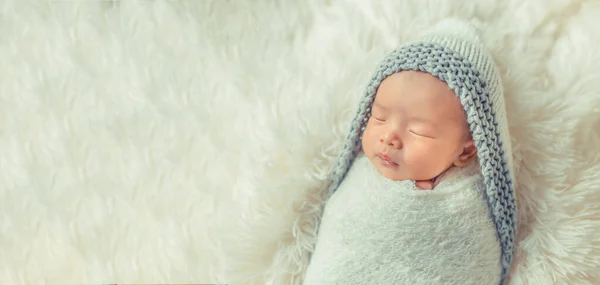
188 142
378 231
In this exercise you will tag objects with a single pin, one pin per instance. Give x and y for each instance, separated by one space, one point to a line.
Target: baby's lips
386 157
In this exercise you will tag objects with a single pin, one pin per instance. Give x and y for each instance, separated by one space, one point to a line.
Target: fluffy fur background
188 141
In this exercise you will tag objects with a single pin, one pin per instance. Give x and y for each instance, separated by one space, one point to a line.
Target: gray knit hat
453 52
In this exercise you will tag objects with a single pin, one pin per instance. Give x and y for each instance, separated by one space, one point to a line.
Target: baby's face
417 128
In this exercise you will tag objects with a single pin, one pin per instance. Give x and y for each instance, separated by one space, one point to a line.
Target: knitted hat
453 52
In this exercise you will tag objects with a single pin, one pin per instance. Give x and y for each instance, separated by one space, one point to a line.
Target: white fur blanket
188 141
378 231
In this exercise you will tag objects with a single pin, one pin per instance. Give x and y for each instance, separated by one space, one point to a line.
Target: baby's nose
393 140
396 143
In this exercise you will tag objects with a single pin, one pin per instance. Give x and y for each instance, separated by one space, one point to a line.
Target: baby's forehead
432 104
418 93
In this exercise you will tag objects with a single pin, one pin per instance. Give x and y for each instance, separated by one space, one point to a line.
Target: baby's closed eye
422 134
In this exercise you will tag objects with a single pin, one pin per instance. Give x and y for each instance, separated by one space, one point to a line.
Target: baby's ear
469 152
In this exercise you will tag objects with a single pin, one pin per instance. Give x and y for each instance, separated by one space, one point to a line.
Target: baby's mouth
387 161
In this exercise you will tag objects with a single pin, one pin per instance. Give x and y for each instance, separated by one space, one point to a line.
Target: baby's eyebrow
424 121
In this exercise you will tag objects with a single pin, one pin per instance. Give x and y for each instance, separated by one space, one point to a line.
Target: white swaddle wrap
378 231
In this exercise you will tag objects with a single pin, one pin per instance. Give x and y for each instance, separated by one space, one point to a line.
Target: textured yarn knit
379 231
453 52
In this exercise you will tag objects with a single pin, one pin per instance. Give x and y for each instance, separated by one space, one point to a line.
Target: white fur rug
188 141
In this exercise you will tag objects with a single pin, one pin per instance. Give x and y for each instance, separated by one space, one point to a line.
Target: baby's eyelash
417 134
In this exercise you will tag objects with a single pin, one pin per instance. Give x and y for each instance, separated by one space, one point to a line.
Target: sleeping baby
433 119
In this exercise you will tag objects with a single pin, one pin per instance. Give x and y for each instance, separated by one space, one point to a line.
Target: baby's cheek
418 162
365 140
367 135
